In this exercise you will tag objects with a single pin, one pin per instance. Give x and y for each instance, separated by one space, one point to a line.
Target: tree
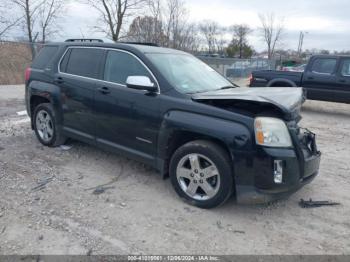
165 26
39 18
113 14
6 21
176 16
240 34
221 40
187 38
29 12
49 13
235 49
146 29
271 31
156 12
210 30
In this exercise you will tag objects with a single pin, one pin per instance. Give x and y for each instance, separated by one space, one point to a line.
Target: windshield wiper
226 87
205 91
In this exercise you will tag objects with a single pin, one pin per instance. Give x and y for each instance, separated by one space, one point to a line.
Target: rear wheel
45 126
201 174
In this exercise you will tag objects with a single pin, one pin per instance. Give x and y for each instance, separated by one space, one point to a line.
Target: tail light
27 74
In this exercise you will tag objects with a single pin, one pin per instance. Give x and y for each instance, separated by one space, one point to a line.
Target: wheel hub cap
44 125
198 177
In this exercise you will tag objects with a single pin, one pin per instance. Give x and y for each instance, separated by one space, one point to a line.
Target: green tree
236 49
240 35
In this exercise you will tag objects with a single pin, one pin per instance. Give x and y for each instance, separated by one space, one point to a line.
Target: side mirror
141 83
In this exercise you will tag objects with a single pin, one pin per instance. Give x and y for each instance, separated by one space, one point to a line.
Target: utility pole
301 42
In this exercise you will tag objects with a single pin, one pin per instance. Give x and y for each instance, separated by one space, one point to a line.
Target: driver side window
324 66
120 65
345 71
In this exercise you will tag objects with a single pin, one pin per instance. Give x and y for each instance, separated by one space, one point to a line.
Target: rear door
320 79
79 71
343 94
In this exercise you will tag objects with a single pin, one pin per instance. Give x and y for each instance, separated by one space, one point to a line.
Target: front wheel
201 174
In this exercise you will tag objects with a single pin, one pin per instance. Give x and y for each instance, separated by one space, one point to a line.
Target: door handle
104 90
310 78
59 80
342 81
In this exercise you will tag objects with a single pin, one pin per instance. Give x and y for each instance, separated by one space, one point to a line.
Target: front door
320 80
126 119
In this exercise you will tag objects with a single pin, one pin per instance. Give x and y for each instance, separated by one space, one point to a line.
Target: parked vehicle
168 109
242 68
325 78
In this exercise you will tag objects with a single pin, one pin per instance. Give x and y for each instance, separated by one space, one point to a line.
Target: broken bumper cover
254 175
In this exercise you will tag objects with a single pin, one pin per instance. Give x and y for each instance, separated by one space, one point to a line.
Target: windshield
188 74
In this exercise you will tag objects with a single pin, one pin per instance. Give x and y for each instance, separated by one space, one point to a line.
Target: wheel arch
281 82
41 92
178 128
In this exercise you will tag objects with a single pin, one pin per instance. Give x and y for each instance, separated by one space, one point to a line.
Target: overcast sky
327 22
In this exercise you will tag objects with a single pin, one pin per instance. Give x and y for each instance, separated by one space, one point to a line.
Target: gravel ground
47 205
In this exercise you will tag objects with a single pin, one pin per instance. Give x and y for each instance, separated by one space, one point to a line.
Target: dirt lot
140 213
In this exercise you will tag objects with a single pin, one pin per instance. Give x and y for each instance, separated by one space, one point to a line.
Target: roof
331 56
126 46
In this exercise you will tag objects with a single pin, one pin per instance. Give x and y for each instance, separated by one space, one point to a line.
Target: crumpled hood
287 99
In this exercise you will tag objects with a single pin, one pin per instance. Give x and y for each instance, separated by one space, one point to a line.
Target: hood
287 100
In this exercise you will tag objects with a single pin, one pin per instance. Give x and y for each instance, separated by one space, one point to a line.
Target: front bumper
254 175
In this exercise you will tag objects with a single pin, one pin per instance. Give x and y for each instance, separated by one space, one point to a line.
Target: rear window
82 62
44 57
324 65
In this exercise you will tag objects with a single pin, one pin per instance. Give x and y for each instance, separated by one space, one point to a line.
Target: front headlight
271 132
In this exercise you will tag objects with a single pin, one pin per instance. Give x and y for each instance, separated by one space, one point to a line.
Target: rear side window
120 65
44 57
324 65
82 62
345 71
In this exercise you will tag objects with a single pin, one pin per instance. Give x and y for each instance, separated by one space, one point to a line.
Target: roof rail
84 40
140 43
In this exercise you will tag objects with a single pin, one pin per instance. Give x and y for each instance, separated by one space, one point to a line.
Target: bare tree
210 30
38 18
156 11
240 34
6 21
187 38
49 13
146 29
176 15
113 14
221 41
29 12
271 31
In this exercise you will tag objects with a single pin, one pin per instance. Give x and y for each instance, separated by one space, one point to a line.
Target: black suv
170 110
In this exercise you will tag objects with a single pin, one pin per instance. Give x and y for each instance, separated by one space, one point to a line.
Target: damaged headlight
271 132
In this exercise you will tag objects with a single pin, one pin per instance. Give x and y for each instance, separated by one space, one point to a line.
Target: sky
326 22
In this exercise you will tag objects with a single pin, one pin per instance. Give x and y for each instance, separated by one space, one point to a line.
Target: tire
44 118
201 187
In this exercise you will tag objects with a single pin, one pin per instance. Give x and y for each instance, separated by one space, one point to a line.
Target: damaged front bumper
255 175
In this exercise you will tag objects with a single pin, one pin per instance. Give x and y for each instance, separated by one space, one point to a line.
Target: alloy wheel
44 126
198 176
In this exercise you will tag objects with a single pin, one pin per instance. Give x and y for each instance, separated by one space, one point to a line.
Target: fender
50 92
234 135
281 80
